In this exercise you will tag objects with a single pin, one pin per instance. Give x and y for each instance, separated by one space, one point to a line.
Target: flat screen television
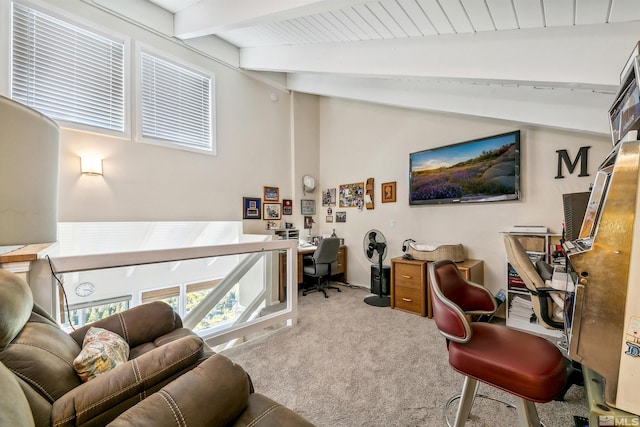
481 170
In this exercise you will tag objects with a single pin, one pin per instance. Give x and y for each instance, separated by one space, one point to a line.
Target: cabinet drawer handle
406 276
407 299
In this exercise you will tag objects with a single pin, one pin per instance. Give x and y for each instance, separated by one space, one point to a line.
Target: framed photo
308 222
251 208
287 207
388 192
329 197
329 218
341 217
271 211
352 195
271 194
308 206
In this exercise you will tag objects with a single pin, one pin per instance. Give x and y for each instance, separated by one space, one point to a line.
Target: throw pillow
102 351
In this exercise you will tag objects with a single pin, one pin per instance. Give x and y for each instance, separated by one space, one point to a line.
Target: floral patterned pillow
102 351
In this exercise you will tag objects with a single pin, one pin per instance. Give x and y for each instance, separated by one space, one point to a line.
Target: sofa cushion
14 408
102 351
42 355
212 394
16 302
141 324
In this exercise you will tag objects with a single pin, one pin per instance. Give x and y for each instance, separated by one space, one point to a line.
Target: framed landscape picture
251 208
271 194
271 211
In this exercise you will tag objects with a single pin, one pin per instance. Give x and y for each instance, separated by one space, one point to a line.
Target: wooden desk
409 283
341 272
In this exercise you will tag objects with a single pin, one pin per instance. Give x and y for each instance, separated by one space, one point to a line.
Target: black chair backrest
327 251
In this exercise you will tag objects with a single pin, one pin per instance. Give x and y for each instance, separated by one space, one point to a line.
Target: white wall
360 140
144 182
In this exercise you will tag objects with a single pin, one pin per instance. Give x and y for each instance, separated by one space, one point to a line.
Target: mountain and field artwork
474 171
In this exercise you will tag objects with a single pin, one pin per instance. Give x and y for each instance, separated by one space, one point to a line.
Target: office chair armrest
548 290
544 298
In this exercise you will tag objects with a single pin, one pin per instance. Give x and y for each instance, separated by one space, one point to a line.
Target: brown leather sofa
171 378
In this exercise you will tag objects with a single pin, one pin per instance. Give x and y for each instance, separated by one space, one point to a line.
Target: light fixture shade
91 165
29 143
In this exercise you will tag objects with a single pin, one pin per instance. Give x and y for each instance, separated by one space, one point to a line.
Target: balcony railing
223 292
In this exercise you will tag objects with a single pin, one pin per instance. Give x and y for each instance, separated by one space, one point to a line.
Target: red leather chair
524 365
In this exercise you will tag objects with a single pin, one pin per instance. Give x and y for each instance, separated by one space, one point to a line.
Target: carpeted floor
347 364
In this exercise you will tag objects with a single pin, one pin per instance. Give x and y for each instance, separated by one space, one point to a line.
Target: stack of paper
521 309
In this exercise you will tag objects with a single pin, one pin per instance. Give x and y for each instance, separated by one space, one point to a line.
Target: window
176 104
66 72
89 312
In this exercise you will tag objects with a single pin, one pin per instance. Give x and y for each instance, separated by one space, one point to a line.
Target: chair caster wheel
339 290
326 296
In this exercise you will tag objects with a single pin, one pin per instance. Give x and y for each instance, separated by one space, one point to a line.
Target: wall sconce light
91 165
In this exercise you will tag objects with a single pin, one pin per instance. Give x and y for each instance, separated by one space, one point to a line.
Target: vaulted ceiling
544 62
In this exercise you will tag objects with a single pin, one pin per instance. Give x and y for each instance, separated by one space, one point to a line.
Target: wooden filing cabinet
409 283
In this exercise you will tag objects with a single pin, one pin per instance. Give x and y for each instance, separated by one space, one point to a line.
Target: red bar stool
524 365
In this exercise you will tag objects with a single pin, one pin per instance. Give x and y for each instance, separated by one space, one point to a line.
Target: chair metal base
320 287
526 410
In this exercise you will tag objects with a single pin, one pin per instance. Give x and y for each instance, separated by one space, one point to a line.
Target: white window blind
176 104
66 72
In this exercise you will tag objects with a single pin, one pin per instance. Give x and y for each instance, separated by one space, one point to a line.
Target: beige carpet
350 364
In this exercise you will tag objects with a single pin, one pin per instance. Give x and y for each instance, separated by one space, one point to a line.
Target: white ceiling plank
591 12
361 23
529 13
495 56
417 16
457 16
345 20
503 14
559 12
285 32
215 16
525 105
371 19
437 16
387 19
347 33
400 16
300 31
624 10
320 25
479 15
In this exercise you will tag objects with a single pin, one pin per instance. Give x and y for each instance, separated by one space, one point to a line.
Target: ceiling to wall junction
545 62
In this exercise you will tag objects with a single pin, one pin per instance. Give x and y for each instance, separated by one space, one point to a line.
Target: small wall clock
85 289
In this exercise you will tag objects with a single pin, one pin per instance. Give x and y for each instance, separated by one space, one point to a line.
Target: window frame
92 27
141 48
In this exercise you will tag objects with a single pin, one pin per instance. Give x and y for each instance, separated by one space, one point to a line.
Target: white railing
248 322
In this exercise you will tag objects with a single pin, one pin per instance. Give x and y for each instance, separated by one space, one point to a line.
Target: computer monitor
575 206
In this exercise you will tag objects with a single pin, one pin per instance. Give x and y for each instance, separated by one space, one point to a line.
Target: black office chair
320 265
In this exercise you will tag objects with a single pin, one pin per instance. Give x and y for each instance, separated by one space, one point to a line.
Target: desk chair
323 260
524 365
540 293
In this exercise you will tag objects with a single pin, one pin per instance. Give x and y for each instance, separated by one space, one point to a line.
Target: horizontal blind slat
67 72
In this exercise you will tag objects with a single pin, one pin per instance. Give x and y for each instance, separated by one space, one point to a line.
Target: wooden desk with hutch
410 278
